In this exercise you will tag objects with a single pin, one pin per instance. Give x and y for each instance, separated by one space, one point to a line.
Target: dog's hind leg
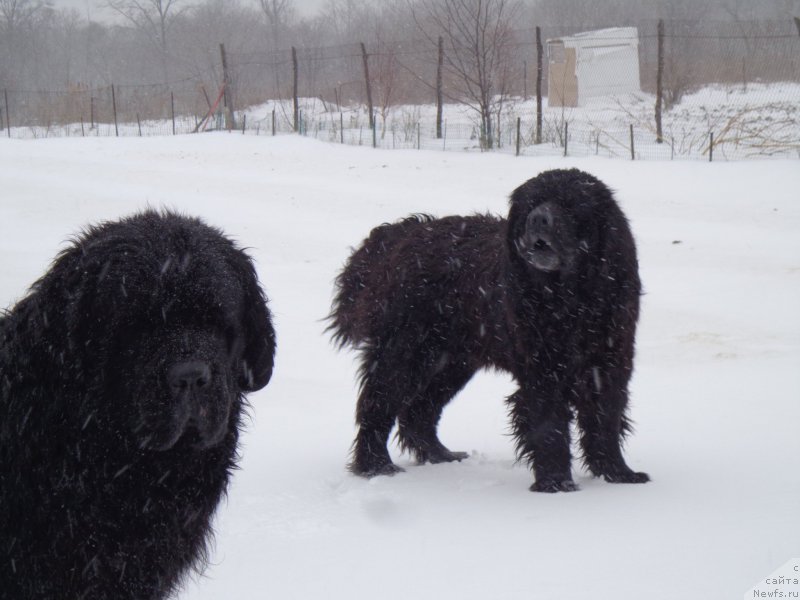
382 394
419 418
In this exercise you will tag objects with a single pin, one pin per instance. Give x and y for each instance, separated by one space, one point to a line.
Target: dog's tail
359 296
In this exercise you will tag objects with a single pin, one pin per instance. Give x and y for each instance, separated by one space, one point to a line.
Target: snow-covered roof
616 35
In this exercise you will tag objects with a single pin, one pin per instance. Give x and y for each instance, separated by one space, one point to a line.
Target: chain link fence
725 91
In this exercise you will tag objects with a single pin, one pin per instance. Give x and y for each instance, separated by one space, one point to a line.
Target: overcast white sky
96 10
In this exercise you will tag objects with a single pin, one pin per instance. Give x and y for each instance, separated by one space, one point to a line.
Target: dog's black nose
540 219
189 375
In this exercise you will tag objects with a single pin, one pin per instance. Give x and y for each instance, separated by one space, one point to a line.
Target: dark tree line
489 45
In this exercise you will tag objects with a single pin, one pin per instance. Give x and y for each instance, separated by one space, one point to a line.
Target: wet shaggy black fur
122 375
550 294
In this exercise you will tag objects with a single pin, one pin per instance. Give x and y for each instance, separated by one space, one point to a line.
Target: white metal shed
590 64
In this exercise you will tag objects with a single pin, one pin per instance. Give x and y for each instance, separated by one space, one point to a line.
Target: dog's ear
258 356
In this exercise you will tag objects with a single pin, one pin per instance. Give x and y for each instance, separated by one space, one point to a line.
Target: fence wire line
746 86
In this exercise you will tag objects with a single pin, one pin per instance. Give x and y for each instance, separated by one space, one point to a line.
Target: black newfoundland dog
550 294
122 376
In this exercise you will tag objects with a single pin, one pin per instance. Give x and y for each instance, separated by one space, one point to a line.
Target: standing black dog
550 295
122 376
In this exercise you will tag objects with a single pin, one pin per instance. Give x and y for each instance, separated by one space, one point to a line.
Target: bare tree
15 12
155 18
279 15
385 80
478 36
384 65
17 20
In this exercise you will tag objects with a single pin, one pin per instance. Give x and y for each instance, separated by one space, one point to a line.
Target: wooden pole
273 121
172 105
91 112
139 123
83 132
295 98
566 136
660 82
365 59
8 120
711 147
341 128
244 123
633 155
114 108
230 121
519 122
205 95
439 93
539 74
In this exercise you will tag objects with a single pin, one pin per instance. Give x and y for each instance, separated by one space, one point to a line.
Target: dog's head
557 222
171 326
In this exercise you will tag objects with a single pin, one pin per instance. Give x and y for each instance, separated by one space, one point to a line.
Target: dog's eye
234 341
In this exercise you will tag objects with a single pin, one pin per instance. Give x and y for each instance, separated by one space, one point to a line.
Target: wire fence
725 91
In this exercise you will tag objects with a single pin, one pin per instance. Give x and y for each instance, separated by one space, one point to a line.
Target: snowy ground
758 120
716 393
754 121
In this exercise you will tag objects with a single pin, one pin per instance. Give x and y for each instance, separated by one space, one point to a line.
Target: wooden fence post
91 112
273 121
341 127
114 108
205 95
711 146
519 122
230 120
633 155
439 93
172 105
660 82
566 136
539 74
139 123
365 59
8 119
295 98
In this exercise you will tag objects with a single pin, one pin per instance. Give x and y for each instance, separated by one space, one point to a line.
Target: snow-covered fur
550 294
122 375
